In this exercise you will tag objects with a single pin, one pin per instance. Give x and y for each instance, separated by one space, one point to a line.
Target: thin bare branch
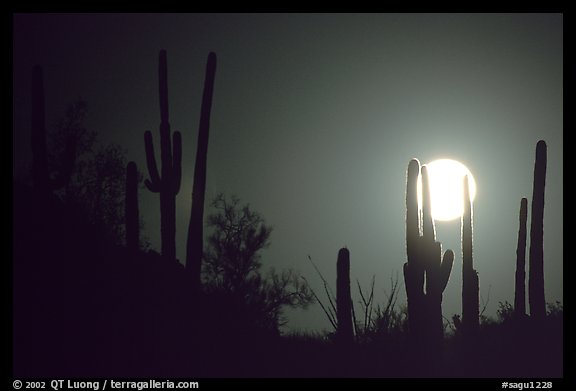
328 315
485 303
327 289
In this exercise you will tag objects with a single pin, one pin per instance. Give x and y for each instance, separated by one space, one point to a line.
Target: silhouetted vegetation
98 187
425 274
89 300
167 181
232 269
131 208
45 181
71 164
520 280
470 283
344 331
195 242
536 279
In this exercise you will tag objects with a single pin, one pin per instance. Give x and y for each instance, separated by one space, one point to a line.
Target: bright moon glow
446 178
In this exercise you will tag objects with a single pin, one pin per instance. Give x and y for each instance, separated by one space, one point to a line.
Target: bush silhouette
232 268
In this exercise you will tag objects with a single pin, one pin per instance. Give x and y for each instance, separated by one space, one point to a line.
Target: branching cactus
131 208
520 281
425 273
344 332
470 283
194 248
44 182
168 182
536 278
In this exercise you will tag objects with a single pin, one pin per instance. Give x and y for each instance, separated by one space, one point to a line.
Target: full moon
446 179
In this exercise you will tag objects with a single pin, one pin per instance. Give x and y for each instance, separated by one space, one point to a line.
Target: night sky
314 120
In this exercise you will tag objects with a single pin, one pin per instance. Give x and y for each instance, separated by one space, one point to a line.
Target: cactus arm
163 85
428 231
446 269
414 267
177 162
467 229
151 186
407 277
412 215
425 273
154 183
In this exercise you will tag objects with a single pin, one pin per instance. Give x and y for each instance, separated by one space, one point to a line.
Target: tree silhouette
232 263
71 127
131 211
97 181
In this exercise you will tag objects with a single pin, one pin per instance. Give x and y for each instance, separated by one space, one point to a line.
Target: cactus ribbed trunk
536 279
413 268
168 185
194 245
431 253
520 284
42 181
38 134
434 277
344 333
132 215
426 273
470 283
167 195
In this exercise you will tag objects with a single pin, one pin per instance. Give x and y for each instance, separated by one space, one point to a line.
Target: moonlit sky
315 118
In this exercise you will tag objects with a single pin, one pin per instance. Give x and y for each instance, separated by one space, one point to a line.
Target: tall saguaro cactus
470 283
194 247
425 273
344 333
413 268
132 215
43 181
168 185
520 284
536 278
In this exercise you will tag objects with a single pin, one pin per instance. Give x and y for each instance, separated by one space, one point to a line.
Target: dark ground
84 308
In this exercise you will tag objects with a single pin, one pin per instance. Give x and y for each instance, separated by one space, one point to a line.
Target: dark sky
315 118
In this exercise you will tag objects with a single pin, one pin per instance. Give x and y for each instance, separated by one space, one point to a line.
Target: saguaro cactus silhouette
470 283
195 240
168 185
520 284
344 332
43 181
425 274
132 215
536 277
